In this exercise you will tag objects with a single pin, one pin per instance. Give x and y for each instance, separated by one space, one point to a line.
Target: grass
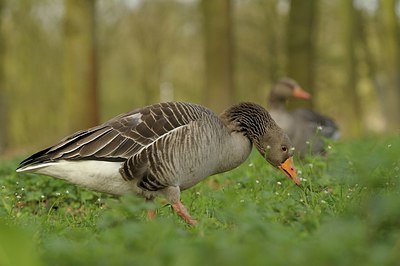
347 212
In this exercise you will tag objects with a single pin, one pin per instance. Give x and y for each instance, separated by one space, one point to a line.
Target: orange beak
301 94
287 167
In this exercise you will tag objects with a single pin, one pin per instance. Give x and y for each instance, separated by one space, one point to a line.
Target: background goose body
305 127
162 149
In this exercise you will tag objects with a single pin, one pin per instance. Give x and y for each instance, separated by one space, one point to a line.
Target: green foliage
345 213
17 247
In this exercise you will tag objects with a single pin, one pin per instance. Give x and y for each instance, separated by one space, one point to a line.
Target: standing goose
306 128
163 149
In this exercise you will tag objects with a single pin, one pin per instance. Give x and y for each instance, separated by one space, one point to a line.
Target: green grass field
347 212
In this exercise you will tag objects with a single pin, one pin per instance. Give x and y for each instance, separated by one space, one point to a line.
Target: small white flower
58 194
99 199
310 165
242 200
276 193
303 179
348 196
17 183
251 164
299 172
22 189
42 196
67 191
289 194
18 196
323 201
329 147
292 148
198 193
307 142
319 128
3 187
301 200
257 181
389 145
268 147
279 183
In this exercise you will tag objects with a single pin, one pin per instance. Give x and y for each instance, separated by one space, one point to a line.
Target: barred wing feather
123 136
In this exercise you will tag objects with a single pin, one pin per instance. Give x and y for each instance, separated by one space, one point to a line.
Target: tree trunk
390 63
350 68
80 66
217 26
301 43
272 18
3 93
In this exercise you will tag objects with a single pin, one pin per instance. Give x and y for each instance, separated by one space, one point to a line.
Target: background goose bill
287 167
298 92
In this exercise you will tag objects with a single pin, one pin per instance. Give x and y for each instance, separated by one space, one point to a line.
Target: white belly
96 175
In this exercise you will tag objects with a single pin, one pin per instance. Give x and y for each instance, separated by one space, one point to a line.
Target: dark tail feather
38 157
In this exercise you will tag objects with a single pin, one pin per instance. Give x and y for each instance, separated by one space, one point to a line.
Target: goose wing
314 120
121 137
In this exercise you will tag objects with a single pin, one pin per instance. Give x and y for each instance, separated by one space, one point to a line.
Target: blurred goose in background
306 128
163 149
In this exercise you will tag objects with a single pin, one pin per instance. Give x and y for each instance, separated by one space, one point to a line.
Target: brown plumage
163 149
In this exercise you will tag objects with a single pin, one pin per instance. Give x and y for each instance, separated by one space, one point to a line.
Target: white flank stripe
96 175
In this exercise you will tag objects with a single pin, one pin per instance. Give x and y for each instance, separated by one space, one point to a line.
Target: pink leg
151 214
182 212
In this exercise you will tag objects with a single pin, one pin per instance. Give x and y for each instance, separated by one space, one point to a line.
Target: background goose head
286 88
270 140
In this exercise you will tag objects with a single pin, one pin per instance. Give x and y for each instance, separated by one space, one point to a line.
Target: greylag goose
306 128
163 149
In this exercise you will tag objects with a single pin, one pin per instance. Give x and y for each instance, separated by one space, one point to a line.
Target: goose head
286 88
270 140
277 149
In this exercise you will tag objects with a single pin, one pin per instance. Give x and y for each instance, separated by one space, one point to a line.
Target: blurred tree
150 55
301 43
272 33
33 72
3 94
217 28
155 45
80 65
350 35
259 52
143 57
389 63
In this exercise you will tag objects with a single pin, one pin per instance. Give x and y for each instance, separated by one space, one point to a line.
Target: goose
306 128
163 149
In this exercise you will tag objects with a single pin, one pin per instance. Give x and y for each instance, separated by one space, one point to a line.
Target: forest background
68 65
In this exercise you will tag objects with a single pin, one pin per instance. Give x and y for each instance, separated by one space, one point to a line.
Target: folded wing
121 137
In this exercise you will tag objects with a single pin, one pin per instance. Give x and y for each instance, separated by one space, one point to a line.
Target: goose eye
284 148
